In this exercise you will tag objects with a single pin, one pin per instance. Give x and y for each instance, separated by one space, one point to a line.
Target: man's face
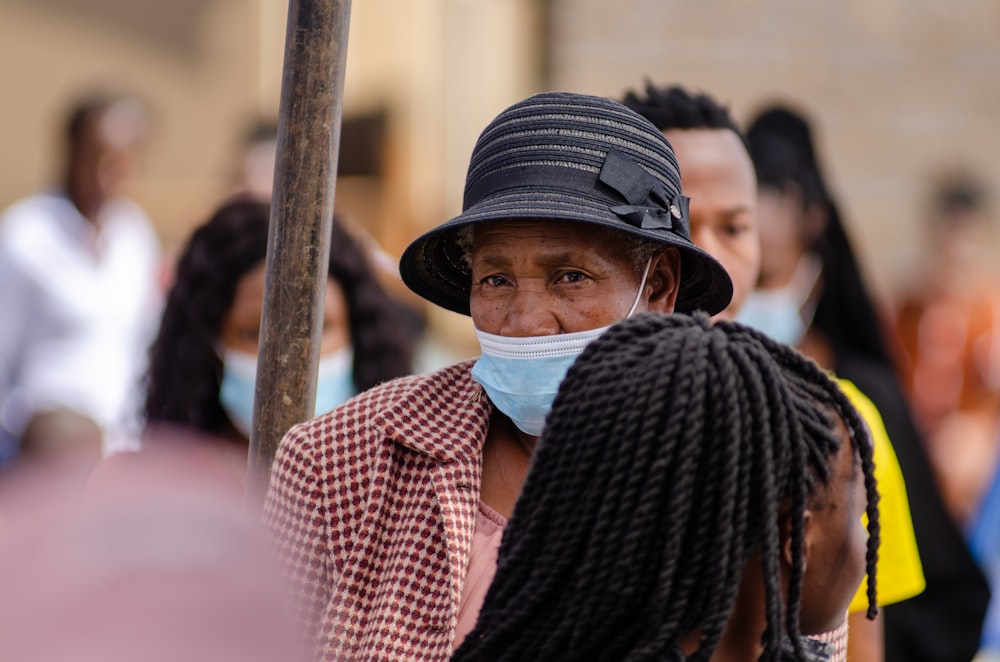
718 176
107 153
538 278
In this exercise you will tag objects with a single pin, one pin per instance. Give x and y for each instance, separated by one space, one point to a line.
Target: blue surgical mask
521 376
335 380
785 313
334 384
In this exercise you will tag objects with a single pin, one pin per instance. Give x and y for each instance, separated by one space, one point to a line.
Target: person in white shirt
80 294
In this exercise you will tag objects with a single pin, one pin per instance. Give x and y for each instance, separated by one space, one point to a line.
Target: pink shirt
482 567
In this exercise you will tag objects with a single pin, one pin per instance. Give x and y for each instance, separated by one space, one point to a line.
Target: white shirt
79 305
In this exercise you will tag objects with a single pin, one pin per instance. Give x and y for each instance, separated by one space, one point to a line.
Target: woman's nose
529 312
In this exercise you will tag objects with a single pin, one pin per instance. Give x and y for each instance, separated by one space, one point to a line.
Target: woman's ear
808 539
664 280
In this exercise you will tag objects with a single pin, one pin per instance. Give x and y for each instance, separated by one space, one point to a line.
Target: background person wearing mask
253 168
811 295
203 362
80 295
716 168
390 509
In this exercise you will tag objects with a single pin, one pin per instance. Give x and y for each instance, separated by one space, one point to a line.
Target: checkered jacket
373 507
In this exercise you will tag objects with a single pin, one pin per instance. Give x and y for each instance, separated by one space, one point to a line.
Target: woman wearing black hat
389 510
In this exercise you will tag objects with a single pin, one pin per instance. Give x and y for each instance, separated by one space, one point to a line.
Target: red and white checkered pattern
373 507
837 640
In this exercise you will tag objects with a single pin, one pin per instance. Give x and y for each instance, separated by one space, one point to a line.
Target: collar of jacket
443 414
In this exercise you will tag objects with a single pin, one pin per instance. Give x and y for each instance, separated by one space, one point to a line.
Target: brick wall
897 88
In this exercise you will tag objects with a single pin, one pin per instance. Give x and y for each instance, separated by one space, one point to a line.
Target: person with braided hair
697 493
718 173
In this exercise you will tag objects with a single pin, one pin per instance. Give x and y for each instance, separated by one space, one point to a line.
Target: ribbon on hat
650 205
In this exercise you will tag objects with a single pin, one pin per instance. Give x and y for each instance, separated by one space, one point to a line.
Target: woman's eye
494 281
736 230
572 277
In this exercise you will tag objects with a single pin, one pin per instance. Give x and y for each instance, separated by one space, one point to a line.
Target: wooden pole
298 252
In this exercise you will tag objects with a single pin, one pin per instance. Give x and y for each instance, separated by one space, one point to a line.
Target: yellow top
899 573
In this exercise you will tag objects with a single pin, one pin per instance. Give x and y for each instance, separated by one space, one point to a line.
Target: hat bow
650 205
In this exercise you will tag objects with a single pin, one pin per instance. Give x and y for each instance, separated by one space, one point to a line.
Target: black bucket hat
574 158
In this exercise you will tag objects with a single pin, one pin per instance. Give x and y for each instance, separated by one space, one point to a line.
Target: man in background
80 297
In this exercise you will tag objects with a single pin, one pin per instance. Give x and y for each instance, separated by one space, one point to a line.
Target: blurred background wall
899 90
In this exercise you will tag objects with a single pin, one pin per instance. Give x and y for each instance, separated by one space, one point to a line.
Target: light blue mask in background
785 313
774 313
334 384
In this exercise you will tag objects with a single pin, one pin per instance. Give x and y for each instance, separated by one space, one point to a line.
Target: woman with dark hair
697 494
203 361
811 294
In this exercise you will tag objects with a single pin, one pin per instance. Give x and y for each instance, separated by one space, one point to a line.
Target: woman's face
541 278
241 325
782 239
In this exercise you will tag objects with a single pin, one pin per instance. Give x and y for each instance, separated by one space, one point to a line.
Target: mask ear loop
810 269
642 285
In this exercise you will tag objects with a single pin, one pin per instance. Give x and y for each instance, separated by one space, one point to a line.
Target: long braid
767 468
671 452
715 520
862 440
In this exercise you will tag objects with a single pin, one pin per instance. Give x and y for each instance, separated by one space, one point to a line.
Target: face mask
784 314
335 380
334 384
522 375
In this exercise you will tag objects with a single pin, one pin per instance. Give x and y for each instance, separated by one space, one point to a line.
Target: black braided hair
182 384
672 452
